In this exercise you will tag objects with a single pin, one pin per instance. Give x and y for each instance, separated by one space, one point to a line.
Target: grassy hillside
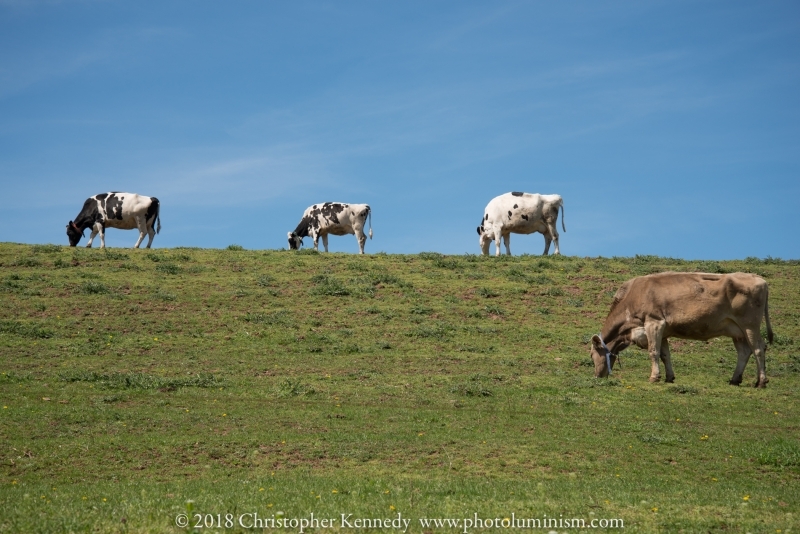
286 383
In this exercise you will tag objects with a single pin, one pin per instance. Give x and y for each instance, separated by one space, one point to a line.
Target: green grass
140 384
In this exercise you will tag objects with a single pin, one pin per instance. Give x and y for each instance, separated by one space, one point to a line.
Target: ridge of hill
428 385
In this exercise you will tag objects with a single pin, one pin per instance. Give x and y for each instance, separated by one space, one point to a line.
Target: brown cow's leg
667 359
655 330
759 348
743 354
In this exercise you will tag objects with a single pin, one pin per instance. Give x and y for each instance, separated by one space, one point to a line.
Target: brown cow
650 309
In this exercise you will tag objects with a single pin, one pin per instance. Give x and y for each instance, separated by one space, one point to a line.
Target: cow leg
315 237
507 242
666 357
551 227
547 241
96 228
142 225
151 232
362 240
654 330
325 241
497 238
484 243
743 355
759 350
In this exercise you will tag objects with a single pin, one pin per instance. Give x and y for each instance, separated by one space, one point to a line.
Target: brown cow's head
598 354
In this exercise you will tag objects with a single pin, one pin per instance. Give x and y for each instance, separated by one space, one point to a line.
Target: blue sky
670 128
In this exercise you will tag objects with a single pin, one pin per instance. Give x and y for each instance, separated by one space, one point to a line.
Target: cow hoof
734 383
670 380
654 380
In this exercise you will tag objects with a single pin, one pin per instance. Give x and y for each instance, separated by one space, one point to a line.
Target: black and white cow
336 218
125 211
520 213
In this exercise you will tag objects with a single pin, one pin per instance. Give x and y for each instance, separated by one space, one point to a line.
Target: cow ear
597 343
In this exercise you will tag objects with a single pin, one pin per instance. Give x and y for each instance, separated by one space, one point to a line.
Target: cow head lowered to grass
648 310
336 218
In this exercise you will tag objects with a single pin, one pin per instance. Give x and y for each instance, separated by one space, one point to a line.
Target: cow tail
158 217
369 214
562 216
770 334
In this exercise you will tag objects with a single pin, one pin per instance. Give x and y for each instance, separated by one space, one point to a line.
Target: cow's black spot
487 217
525 217
113 207
101 196
515 206
509 214
152 211
517 193
304 225
330 211
480 229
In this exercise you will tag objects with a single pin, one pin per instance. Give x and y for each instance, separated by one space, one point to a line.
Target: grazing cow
125 211
650 309
336 218
520 213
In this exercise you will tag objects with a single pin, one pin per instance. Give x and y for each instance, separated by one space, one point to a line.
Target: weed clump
45 249
265 280
487 293
234 247
294 388
329 286
473 387
780 453
114 255
141 380
683 390
278 317
168 268
90 287
25 329
440 331
26 262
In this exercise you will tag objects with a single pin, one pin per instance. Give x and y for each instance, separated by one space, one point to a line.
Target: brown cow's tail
562 216
770 335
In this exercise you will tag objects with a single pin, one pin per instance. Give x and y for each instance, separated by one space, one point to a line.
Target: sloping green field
137 385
